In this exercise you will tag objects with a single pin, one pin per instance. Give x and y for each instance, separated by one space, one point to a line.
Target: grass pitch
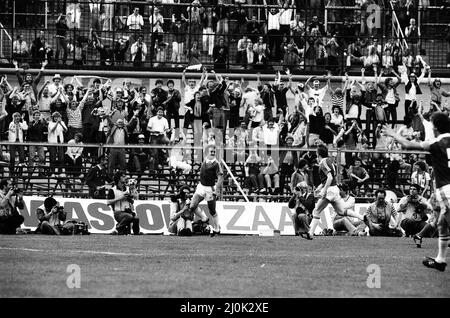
224 266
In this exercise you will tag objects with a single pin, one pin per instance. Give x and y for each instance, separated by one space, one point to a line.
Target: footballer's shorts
443 198
333 194
206 192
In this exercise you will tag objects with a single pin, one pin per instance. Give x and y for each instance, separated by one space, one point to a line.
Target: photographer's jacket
122 205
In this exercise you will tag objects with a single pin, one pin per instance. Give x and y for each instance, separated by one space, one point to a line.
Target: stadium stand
229 44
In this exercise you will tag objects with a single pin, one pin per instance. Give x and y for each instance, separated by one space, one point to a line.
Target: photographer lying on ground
10 200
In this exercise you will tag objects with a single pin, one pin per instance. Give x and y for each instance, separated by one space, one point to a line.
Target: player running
328 191
208 188
440 154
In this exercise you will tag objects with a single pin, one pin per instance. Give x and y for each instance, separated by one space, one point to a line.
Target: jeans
391 113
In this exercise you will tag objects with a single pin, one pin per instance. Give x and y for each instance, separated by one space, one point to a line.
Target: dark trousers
285 171
124 221
61 44
9 224
301 223
370 122
73 167
175 114
412 227
391 113
12 151
274 42
116 158
408 105
56 157
89 136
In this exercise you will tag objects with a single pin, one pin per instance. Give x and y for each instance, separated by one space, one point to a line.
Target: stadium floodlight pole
235 181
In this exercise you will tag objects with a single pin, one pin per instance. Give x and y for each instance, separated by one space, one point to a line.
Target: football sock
443 244
313 226
216 222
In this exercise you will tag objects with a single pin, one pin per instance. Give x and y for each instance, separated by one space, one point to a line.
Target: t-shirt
326 166
439 149
157 124
209 172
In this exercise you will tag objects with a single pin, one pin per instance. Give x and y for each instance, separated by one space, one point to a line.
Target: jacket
134 49
12 137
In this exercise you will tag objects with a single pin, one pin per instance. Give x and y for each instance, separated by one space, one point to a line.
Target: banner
235 217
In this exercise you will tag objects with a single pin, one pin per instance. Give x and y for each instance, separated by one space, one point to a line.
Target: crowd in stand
223 112
223 33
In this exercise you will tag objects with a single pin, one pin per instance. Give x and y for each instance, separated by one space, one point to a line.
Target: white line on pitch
70 251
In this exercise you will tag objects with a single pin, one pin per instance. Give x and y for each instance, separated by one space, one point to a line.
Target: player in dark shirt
440 154
208 188
328 191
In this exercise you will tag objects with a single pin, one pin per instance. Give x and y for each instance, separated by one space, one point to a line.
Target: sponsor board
154 216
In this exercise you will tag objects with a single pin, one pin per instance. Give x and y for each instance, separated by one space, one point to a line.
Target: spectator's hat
289 137
316 82
56 76
301 85
141 136
56 114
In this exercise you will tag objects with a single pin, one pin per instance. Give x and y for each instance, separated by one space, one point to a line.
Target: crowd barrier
154 216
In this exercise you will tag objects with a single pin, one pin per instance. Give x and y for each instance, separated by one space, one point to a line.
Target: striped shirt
337 101
74 117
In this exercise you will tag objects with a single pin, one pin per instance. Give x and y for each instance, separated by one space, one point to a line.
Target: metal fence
107 23
388 169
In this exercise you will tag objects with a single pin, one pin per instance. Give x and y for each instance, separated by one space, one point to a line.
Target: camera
16 190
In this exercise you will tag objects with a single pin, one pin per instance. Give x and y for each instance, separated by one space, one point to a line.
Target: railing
163 182
110 30
397 31
4 37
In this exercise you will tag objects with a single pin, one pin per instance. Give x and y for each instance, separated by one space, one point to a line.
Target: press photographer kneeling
53 219
180 216
10 200
121 199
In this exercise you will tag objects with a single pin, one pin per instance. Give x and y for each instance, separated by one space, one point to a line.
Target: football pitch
224 266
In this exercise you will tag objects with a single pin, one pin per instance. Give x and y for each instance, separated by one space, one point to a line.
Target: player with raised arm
328 191
209 188
440 154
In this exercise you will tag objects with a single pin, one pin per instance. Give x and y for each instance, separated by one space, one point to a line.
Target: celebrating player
208 188
328 191
438 148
